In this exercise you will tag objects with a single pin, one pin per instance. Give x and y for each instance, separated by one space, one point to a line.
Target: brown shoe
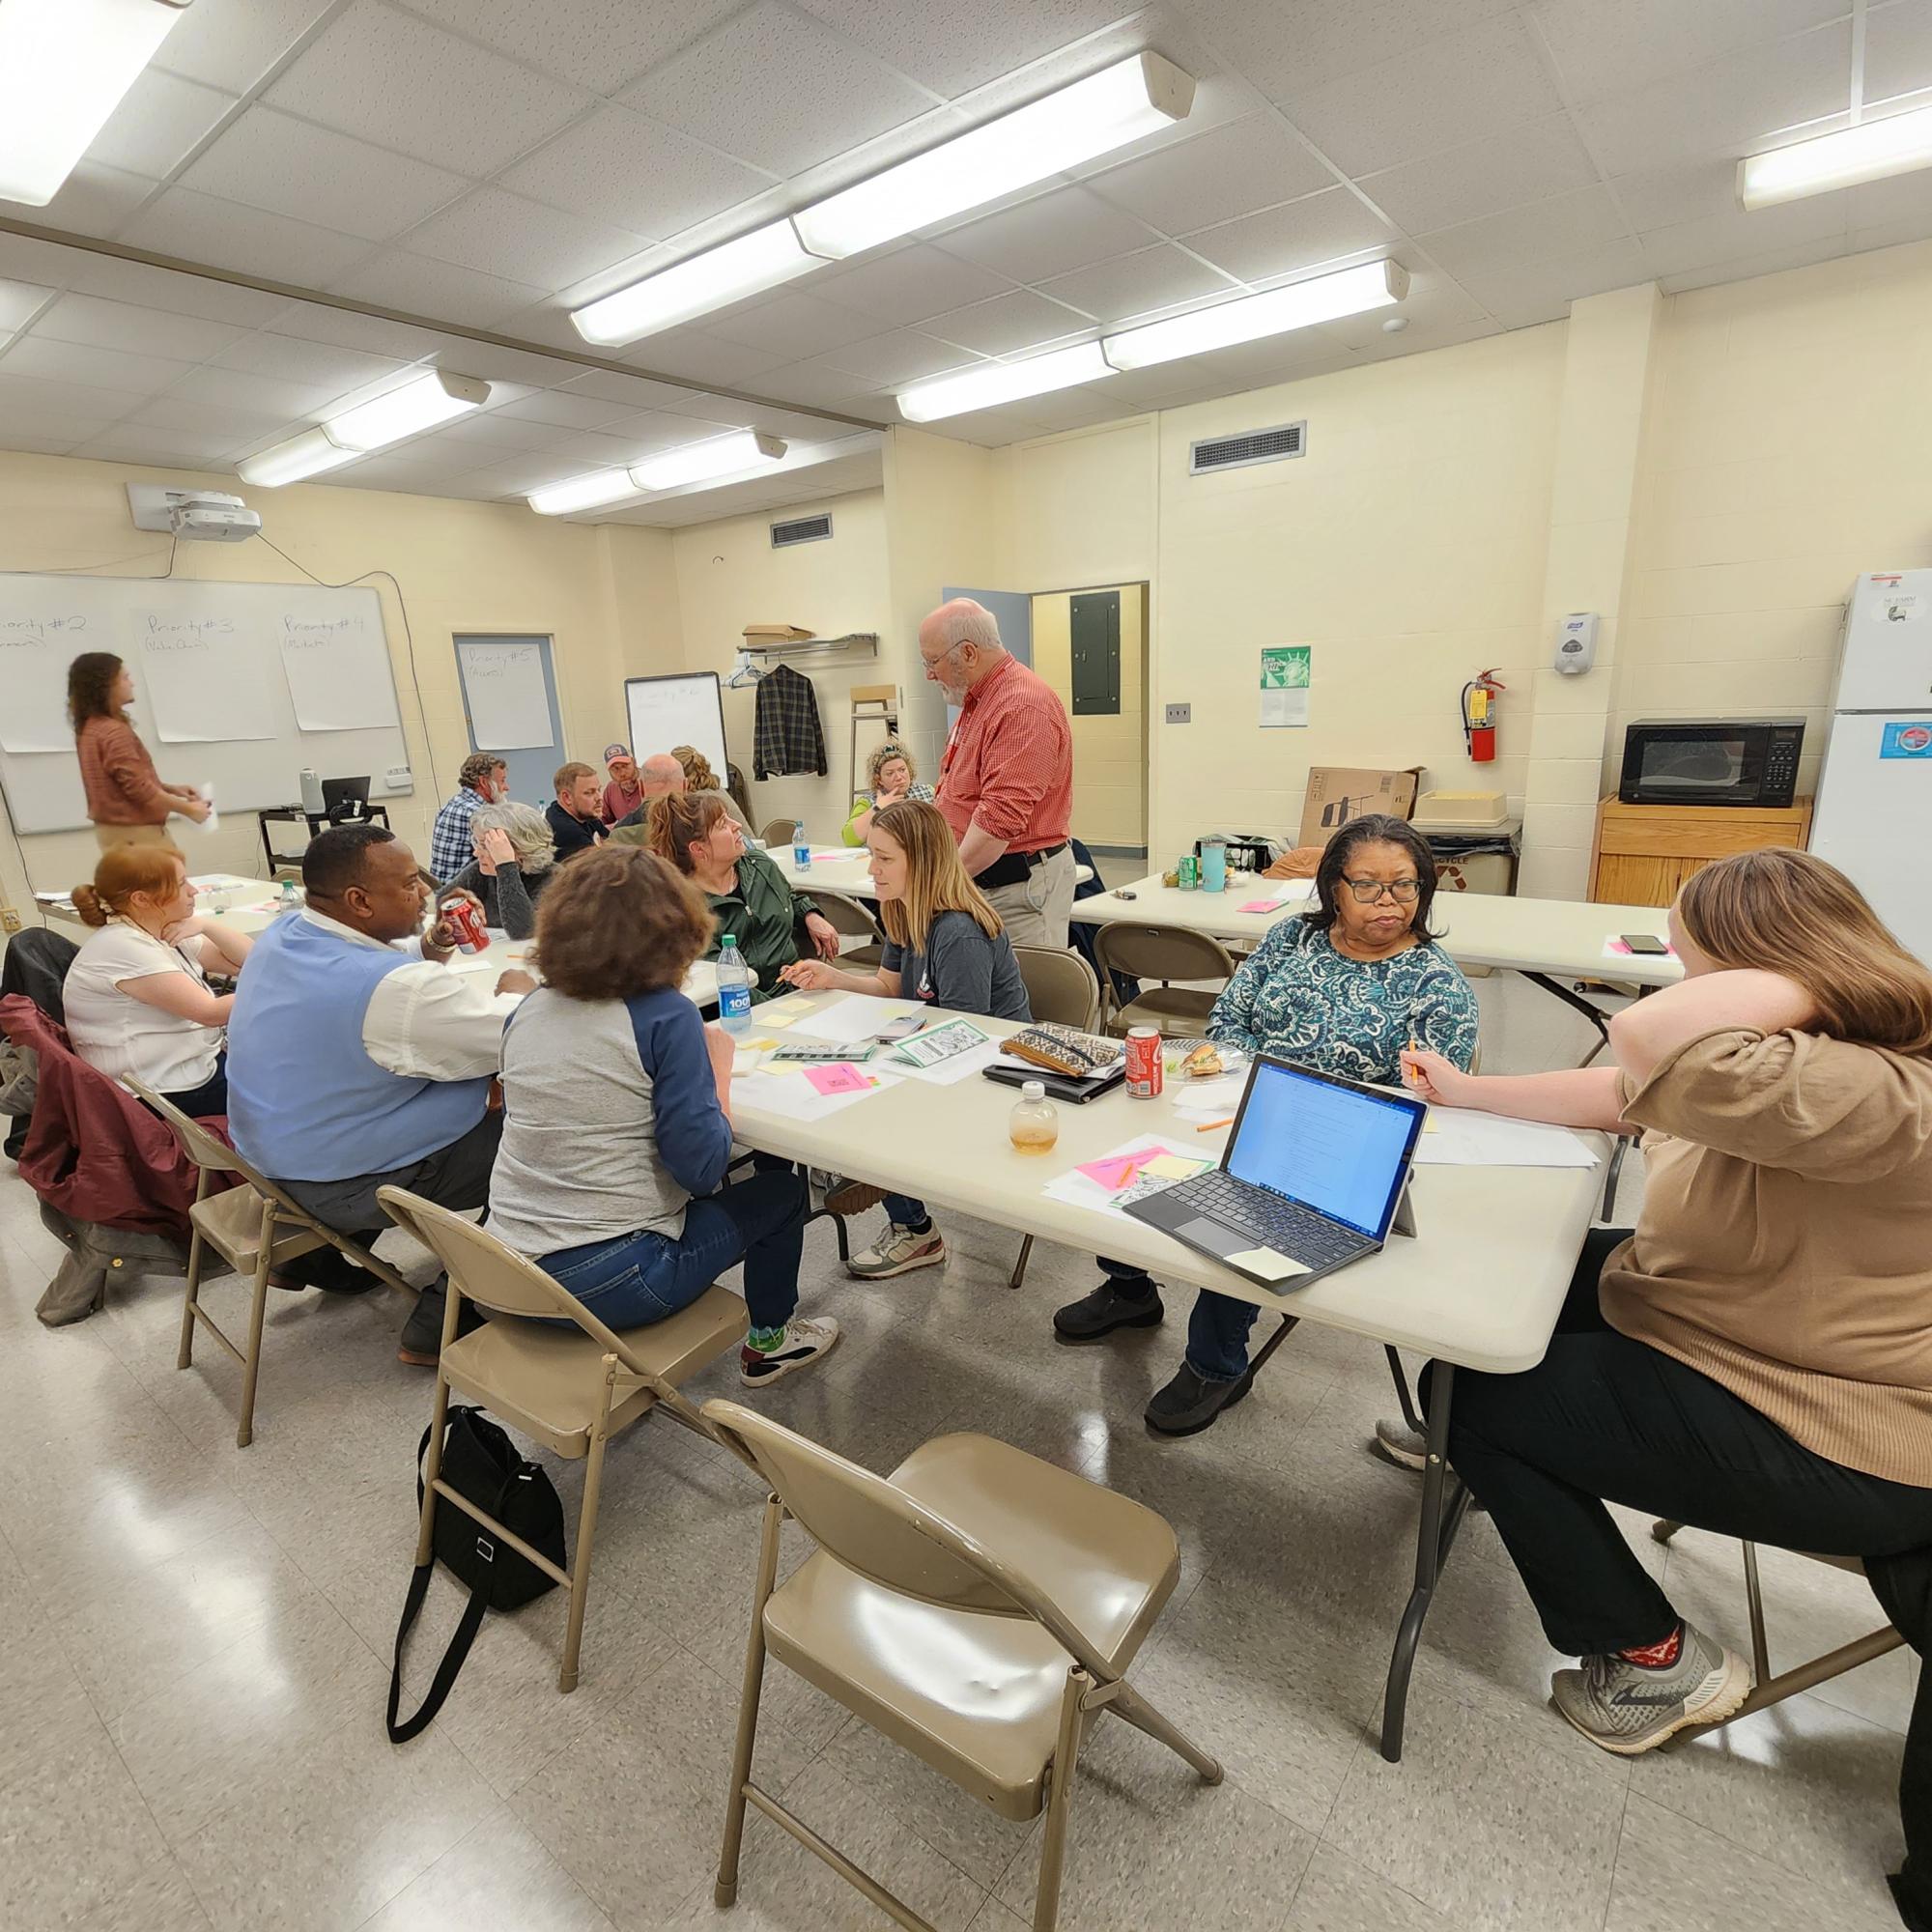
852 1197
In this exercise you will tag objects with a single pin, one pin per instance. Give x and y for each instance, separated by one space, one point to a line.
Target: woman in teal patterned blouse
1343 987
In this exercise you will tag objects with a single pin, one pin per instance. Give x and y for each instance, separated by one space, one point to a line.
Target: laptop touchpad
1214 1237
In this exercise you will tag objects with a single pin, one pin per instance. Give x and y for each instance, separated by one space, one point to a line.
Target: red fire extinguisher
1479 729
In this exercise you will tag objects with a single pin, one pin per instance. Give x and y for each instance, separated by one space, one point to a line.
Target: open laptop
1310 1181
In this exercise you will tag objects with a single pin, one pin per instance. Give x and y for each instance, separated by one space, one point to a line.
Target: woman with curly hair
888 777
126 801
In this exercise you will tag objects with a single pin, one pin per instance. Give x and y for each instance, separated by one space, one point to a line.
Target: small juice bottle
1033 1124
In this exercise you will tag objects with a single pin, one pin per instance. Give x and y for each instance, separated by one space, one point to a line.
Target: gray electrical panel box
1096 653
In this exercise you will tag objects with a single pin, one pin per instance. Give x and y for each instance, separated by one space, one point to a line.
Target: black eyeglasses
1404 891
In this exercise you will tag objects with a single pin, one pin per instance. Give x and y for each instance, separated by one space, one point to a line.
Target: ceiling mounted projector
194 515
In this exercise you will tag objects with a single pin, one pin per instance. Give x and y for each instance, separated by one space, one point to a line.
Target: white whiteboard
687 709
508 695
219 671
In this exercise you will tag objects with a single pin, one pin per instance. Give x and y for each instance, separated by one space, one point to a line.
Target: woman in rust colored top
1756 1357
127 803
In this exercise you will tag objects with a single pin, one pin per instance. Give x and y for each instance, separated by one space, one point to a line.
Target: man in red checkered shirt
1006 783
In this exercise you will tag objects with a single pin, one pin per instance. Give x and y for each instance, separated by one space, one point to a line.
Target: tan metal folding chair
1775 1689
973 1565
851 919
779 831
1161 954
256 1229
572 1389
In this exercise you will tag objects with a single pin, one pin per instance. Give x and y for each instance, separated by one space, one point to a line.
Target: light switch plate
1180 714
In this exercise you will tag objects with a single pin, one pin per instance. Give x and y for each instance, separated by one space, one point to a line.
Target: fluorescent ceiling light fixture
761 260
1138 96
64 67
1249 318
582 492
724 458
431 399
1871 151
990 383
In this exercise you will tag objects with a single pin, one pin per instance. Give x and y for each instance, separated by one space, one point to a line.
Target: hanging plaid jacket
785 735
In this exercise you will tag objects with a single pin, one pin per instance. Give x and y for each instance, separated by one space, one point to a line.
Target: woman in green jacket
749 897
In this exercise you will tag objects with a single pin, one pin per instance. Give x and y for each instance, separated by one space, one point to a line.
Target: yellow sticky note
756 1045
1268 1264
778 1021
1172 1167
1429 1123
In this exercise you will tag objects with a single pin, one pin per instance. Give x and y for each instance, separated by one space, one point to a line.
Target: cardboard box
774 634
1337 793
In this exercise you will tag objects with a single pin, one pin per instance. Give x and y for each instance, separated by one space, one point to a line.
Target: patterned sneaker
898 1251
1629 1708
807 1338
1398 1443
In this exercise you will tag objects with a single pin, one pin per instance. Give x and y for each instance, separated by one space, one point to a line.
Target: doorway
510 707
1091 646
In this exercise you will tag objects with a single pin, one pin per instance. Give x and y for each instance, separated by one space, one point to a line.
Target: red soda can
465 918
1144 1070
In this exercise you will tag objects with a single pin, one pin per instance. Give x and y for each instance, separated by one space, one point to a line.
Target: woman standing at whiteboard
126 801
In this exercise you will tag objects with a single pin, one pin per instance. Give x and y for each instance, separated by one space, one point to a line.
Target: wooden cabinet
1643 853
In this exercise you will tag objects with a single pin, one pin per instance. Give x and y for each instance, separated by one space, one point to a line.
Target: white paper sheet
1080 1190
1456 1137
509 702
793 1095
35 652
851 1017
337 669
204 677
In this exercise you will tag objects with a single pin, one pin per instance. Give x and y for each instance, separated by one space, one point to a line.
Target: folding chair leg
184 1354
1754 1600
726 1890
439 1416
579 1571
1059 1803
1142 1715
245 1430
1020 1267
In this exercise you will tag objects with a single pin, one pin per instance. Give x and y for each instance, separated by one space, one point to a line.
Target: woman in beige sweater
1756 1357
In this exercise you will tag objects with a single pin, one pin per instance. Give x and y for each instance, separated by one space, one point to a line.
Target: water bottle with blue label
734 988
800 849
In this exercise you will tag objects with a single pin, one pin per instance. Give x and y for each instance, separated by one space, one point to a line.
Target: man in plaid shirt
484 780
1006 783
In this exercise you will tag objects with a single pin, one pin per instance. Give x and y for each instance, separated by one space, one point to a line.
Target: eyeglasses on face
1366 892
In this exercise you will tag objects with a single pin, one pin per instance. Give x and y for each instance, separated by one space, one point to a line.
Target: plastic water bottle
800 849
734 988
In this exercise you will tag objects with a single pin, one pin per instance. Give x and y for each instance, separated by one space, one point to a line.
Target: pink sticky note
1118 1170
1259 905
843 1078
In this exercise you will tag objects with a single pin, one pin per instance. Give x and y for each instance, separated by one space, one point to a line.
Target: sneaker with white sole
807 1339
1628 1708
898 1251
1401 1445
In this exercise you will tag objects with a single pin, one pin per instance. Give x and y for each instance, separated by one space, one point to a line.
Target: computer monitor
345 801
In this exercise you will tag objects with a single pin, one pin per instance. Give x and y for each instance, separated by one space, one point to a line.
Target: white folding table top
849 872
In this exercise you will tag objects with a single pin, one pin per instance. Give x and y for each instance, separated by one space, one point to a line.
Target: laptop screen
1332 1146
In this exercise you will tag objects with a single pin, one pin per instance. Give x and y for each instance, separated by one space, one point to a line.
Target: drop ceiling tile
635 173
1132 285
650 431
950 49
232 44
777 89
559 409
1527 293
391 79
793 325
1606 50
93 368
17 441
1063 229
1578 223
600 44
1898 49
1734 235
517 475
273 161
20 302
1727 102
1498 172
24 259
909 285
518 371
95 200
19 394
1280 241
200 228
521 240
630 393
592 450
992 429
1434 304
1682 191
1078 409
158 119
127 442
237 426
712 413
903 356
1487 77
1799 255
1285 49
440 290
1883 203
134 330
345 328
691 355
171 291
310 365
1231 170
815 385
1007 323
494 432
238 389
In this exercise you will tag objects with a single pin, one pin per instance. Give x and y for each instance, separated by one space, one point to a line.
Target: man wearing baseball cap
623 793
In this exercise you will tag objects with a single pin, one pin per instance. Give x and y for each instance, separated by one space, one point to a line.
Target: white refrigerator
1874 814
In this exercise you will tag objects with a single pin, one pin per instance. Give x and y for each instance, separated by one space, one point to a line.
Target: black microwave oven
1711 761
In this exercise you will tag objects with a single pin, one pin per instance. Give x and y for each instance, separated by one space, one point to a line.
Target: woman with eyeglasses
1345 988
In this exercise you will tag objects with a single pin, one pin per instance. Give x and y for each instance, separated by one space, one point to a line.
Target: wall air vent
802 530
1252 445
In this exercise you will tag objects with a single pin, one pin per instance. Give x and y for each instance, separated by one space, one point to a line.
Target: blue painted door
533 764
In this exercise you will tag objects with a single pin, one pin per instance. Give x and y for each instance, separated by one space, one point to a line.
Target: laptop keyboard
1289 1229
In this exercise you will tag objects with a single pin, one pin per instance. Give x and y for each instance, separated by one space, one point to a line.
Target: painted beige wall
1109 748
1790 450
600 591
727 575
